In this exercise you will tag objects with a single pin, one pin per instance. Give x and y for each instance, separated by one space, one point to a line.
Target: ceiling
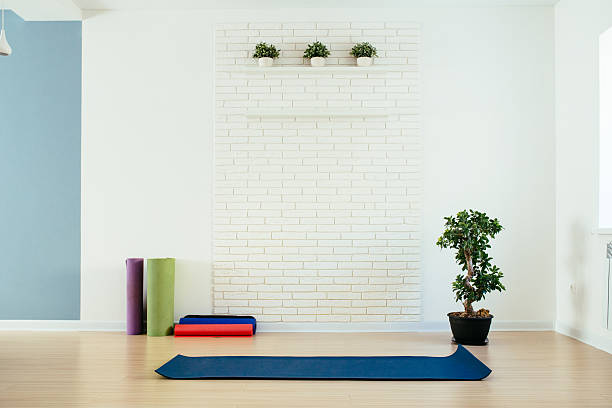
53 10
246 4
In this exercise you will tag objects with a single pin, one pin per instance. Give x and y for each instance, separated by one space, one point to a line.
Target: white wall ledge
325 69
322 112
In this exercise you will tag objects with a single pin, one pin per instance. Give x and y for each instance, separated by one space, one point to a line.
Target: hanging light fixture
5 48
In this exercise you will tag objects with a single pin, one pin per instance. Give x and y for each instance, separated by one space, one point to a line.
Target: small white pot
364 61
317 61
265 62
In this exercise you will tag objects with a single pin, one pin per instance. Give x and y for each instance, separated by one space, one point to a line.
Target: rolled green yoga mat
160 296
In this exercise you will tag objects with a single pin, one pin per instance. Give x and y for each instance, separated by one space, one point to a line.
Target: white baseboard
61 325
351 327
522 325
439 326
600 340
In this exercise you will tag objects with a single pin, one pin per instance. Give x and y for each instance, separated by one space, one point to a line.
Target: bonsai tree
316 49
469 232
265 50
364 49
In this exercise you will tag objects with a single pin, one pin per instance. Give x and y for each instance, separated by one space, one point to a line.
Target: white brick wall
317 219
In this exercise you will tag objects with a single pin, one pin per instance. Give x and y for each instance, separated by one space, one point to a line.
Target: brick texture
318 219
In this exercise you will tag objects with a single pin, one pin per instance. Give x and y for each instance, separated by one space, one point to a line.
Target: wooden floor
66 369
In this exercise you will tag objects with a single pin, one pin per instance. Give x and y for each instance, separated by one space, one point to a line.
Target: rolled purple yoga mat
134 268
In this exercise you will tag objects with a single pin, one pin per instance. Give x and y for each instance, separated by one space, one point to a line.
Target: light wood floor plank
87 369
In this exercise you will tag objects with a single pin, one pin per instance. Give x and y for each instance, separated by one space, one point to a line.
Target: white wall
605 130
580 253
488 134
147 155
487 130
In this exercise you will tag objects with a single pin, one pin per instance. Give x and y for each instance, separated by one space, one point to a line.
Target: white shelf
602 231
309 69
319 112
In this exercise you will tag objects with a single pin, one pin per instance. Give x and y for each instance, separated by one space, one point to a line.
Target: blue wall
40 170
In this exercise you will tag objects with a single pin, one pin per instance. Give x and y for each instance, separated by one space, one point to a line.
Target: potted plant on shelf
364 52
468 233
317 52
265 54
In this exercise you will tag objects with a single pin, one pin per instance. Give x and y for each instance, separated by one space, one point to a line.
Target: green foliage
265 50
316 49
468 232
364 49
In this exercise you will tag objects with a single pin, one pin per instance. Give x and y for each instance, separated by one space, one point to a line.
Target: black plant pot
470 330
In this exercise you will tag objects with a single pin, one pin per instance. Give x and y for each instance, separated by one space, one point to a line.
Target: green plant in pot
469 233
364 52
265 54
317 52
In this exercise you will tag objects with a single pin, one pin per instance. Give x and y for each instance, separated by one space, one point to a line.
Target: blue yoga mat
219 320
461 365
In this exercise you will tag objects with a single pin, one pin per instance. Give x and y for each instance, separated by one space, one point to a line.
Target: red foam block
213 330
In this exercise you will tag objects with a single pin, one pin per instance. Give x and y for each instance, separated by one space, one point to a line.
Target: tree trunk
467 305
468 281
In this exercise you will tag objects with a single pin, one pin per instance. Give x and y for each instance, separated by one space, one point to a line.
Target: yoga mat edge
459 366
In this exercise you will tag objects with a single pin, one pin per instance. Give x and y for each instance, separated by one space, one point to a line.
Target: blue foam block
461 365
